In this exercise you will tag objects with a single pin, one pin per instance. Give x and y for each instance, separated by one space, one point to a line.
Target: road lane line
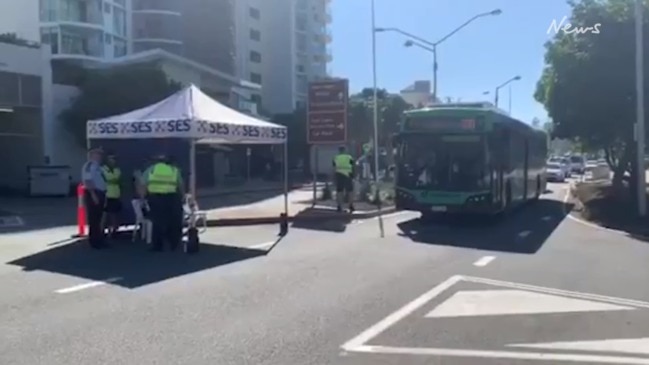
547 218
89 285
261 246
400 314
485 354
484 261
524 234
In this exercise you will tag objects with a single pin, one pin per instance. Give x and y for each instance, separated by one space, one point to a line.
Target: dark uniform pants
94 213
166 215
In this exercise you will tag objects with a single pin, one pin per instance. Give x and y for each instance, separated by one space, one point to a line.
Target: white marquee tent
192 115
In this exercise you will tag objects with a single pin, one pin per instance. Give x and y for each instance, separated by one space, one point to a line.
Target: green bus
467 158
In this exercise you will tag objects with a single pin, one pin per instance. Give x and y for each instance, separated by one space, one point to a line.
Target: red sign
327 112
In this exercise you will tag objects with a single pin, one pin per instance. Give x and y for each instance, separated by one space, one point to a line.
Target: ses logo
241 131
169 126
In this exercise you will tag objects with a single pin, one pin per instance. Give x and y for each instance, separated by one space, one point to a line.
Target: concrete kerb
570 196
249 221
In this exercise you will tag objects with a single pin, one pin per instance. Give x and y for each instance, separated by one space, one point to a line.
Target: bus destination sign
428 124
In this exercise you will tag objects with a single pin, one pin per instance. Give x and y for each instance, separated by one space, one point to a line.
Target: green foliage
116 91
588 84
12 38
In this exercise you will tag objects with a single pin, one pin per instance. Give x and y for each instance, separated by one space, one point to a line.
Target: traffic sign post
327 112
326 117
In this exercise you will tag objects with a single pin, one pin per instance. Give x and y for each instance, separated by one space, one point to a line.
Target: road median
601 203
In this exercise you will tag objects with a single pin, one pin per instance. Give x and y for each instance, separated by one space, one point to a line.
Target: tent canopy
188 114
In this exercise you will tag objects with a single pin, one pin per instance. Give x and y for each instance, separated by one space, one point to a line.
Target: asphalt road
537 288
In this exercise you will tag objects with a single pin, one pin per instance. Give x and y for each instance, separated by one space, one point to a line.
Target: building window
119 47
119 22
107 8
300 68
254 13
255 35
255 77
108 39
255 56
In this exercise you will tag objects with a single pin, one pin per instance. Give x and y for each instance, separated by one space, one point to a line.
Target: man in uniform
113 176
164 186
94 197
343 164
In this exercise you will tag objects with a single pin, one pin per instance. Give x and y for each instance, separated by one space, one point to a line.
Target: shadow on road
131 262
524 230
321 219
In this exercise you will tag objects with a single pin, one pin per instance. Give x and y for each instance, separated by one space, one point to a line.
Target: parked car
564 163
577 164
555 172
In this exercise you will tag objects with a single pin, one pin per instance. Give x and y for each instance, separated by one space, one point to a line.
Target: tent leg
283 229
193 242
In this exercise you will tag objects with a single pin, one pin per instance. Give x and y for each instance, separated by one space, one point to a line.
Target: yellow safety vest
343 164
162 179
112 177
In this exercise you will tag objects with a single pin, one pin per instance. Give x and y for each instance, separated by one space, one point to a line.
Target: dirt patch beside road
600 203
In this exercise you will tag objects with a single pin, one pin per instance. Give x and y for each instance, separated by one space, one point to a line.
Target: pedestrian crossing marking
636 346
585 352
511 302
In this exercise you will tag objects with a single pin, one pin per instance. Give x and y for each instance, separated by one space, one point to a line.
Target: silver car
555 172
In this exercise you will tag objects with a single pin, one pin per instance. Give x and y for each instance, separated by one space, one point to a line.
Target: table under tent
175 126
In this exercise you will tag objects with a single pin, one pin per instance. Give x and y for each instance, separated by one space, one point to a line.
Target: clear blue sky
480 57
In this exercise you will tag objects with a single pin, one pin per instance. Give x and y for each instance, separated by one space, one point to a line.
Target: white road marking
89 285
484 261
509 302
384 216
524 234
357 344
400 314
536 356
565 293
547 218
261 246
629 346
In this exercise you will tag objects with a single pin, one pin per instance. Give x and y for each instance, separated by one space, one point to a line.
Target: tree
116 91
536 123
588 84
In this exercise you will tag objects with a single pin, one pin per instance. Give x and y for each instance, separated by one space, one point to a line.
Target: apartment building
250 37
87 31
295 50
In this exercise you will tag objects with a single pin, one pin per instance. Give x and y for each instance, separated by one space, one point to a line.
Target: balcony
169 7
73 43
86 14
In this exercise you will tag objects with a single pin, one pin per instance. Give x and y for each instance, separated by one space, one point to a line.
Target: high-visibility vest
162 179
112 177
343 164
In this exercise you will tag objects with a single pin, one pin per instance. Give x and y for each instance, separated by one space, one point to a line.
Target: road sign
469 317
327 112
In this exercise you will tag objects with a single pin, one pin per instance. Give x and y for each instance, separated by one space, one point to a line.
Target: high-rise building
295 50
250 38
200 30
90 30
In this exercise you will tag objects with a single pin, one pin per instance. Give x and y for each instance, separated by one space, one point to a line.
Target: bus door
526 166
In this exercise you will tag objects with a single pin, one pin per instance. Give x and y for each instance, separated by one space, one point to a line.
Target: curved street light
515 78
432 46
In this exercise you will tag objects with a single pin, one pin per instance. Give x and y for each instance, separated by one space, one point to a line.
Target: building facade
417 94
295 50
25 98
88 31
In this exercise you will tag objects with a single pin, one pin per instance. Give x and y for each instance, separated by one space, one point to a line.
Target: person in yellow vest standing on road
113 207
164 186
343 164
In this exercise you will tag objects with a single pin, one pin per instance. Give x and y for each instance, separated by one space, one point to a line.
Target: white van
577 164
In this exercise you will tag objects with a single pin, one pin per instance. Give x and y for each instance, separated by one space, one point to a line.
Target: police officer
343 164
113 177
94 197
164 186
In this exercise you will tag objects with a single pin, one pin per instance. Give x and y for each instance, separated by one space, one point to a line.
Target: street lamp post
432 46
515 78
640 127
375 109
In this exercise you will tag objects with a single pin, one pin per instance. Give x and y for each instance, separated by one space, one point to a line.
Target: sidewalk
300 208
